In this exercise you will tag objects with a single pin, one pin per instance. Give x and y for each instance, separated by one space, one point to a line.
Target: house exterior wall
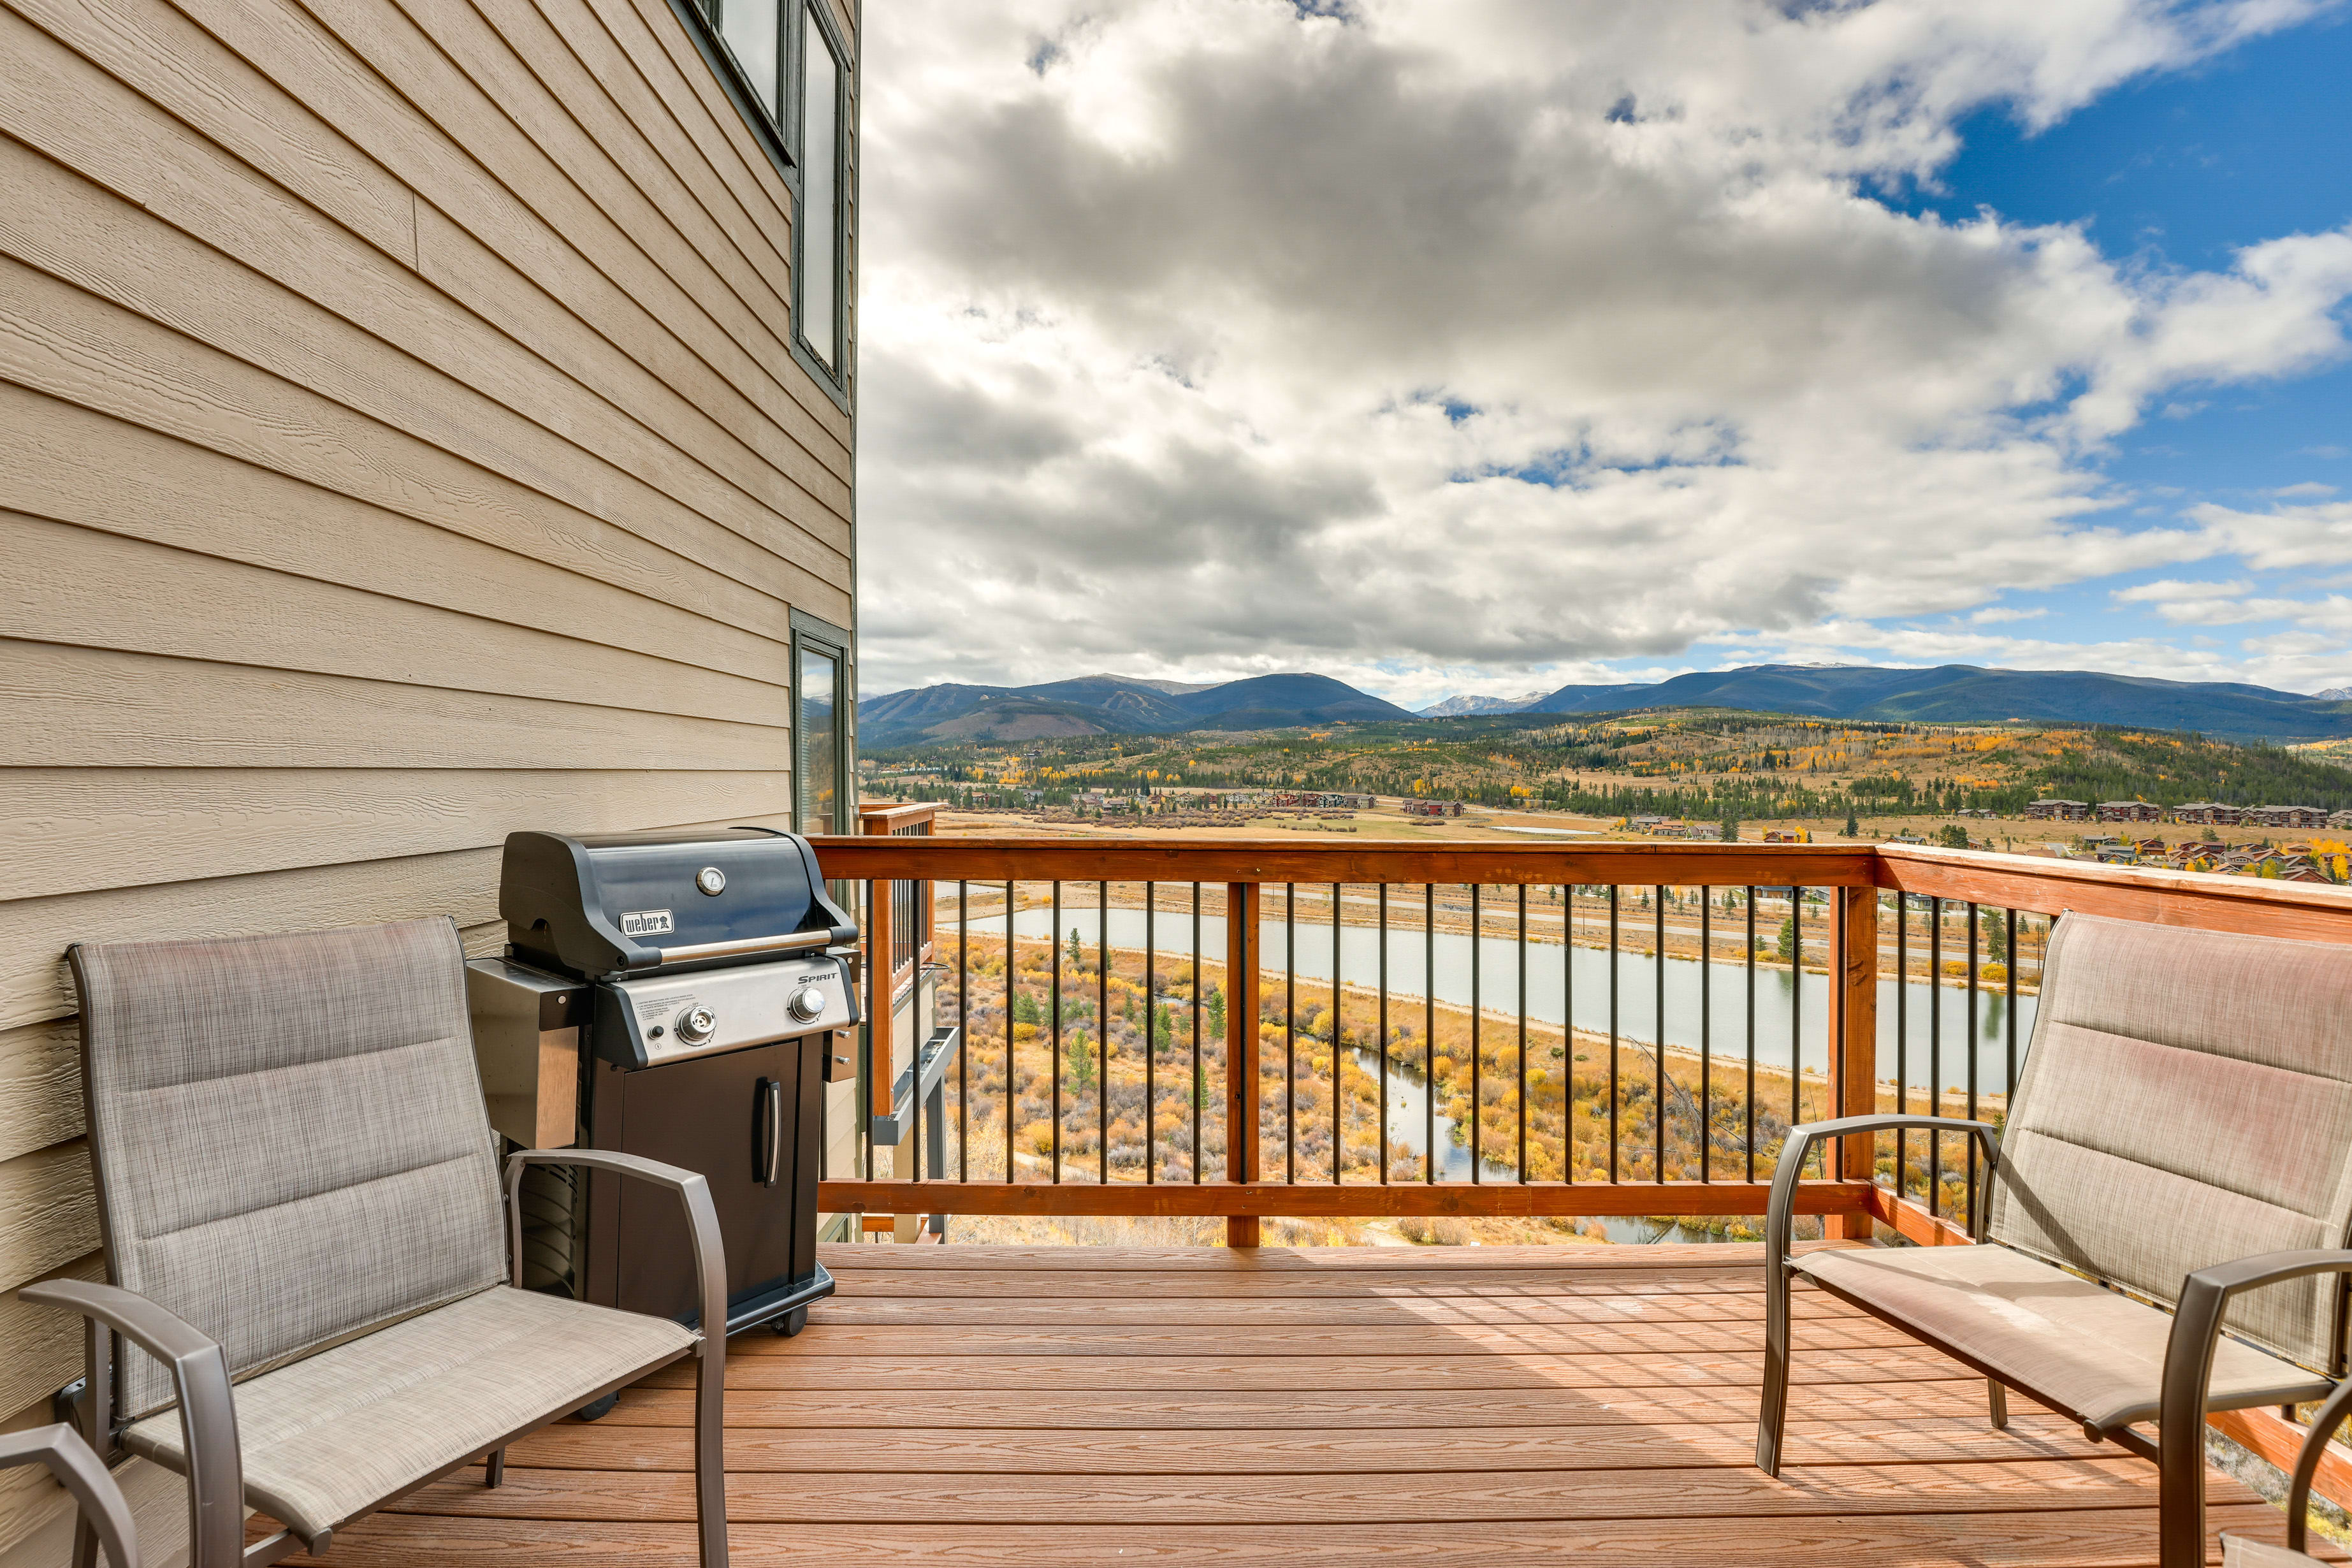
401 442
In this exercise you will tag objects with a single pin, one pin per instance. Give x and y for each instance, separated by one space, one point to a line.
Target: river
1717 990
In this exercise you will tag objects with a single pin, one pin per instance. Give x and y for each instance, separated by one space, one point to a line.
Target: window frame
702 26
838 378
811 635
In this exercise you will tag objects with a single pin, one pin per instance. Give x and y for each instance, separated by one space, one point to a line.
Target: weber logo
646 922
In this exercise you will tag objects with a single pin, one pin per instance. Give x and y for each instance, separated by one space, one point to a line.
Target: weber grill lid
613 903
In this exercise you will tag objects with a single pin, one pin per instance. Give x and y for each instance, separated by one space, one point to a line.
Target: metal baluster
1612 1032
1747 896
1384 1032
1194 1090
1971 1016
1935 1050
1008 1031
874 991
1477 1068
963 1031
1054 906
2009 979
1658 1039
1706 1033
1102 1041
1796 994
1289 1032
1568 1030
1150 1036
1428 1029
1901 1040
1523 1033
1338 1029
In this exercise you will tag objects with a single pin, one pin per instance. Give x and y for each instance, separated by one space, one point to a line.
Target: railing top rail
2200 899
1256 859
879 819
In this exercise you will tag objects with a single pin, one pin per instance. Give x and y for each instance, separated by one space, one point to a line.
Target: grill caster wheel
791 1322
596 1410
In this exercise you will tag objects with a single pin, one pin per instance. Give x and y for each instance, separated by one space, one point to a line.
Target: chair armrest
207 1408
76 1469
701 1217
2188 1376
1780 1219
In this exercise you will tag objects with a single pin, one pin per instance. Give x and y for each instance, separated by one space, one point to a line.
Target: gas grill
675 995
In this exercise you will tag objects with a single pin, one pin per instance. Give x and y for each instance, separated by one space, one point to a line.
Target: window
750 27
817 267
822 800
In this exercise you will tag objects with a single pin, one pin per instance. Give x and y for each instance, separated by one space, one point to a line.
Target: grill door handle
768 1156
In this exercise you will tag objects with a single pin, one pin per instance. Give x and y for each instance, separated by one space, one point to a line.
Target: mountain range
1947 694
1111 704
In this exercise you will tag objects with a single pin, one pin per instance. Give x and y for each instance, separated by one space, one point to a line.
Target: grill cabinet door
716 1115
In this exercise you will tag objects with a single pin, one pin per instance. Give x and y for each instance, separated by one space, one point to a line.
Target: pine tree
1216 1004
1730 830
1077 953
1789 941
1853 828
1082 1063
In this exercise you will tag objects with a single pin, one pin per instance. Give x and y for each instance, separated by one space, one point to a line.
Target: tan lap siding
399 444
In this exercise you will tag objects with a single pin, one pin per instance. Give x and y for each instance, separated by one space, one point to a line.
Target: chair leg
711 1456
495 1472
1773 1417
85 1545
1996 1399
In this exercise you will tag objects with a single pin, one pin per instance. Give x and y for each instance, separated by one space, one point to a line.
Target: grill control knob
696 1025
807 1004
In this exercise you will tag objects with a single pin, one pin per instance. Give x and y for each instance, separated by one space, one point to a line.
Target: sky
1474 346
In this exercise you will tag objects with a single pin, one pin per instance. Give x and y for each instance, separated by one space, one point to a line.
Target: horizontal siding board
733 341
41 1347
597 590
651 32
158 52
71 345
514 61
151 47
577 451
753 207
310 62
48 1213
68 707
35 932
67 830
97 589
40 1097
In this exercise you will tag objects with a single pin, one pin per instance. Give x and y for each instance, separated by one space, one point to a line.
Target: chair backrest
289 1133
2186 1100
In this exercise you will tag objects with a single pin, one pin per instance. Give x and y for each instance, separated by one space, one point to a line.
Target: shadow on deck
1347 1405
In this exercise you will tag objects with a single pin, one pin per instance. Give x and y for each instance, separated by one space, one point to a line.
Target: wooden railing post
1855 1028
1241 1050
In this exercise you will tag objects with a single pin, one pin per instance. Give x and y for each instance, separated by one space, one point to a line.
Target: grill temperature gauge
696 1025
807 1004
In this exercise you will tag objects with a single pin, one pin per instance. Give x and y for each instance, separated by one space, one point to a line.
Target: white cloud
1464 345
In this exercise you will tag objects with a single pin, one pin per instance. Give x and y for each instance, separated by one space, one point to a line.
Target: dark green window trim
836 380
731 79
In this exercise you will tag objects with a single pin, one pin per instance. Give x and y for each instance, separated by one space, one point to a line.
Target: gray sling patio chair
299 1191
2186 1101
76 1467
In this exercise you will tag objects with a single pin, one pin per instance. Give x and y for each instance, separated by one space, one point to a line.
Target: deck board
963 1406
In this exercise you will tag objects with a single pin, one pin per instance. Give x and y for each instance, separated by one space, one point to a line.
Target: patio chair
77 1469
299 1191
2186 1100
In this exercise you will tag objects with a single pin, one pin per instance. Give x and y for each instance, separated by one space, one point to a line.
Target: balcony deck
970 1404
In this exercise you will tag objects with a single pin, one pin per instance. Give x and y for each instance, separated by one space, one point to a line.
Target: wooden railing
1691 1098
1905 941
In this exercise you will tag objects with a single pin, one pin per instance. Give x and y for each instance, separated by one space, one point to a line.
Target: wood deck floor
965 1405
